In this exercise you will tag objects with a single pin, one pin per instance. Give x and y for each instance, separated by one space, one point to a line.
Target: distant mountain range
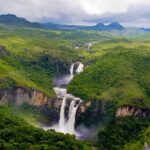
17 21
99 26
10 19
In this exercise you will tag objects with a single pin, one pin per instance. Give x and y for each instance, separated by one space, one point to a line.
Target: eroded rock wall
22 95
127 110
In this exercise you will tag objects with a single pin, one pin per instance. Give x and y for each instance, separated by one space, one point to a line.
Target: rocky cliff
20 95
87 110
34 97
127 110
92 112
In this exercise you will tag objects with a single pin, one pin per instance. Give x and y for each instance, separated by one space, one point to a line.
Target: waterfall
72 104
60 92
68 126
62 114
71 71
80 68
72 116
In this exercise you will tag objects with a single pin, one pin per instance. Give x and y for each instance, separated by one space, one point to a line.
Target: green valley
73 87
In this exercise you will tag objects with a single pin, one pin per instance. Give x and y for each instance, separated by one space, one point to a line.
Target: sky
134 13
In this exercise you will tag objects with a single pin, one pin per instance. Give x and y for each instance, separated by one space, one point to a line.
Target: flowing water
60 92
71 72
72 114
67 125
62 115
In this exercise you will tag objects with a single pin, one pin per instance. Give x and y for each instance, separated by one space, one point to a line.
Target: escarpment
127 110
20 95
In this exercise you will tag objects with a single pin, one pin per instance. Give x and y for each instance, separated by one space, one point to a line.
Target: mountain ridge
11 19
99 26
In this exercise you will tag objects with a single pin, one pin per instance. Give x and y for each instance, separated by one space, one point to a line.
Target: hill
120 74
10 19
31 58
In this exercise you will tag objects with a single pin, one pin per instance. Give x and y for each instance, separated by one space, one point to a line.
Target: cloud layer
129 12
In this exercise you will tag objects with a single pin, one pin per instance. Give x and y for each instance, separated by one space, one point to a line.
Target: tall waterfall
71 71
62 114
78 70
71 107
67 124
72 114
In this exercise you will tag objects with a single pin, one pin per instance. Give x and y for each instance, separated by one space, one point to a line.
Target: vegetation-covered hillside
31 57
125 134
121 73
15 133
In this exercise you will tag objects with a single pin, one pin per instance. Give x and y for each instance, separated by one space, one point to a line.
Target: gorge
66 124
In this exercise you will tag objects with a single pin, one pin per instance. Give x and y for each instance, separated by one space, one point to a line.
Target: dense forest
15 133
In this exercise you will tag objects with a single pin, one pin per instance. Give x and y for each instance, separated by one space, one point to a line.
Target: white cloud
67 11
136 15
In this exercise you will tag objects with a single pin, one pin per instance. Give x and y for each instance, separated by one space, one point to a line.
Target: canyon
69 108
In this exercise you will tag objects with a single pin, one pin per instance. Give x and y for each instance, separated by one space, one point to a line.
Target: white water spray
72 104
68 126
80 68
72 116
60 92
62 114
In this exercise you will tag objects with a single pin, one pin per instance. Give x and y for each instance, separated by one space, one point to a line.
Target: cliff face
84 106
86 110
126 110
22 95
92 112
